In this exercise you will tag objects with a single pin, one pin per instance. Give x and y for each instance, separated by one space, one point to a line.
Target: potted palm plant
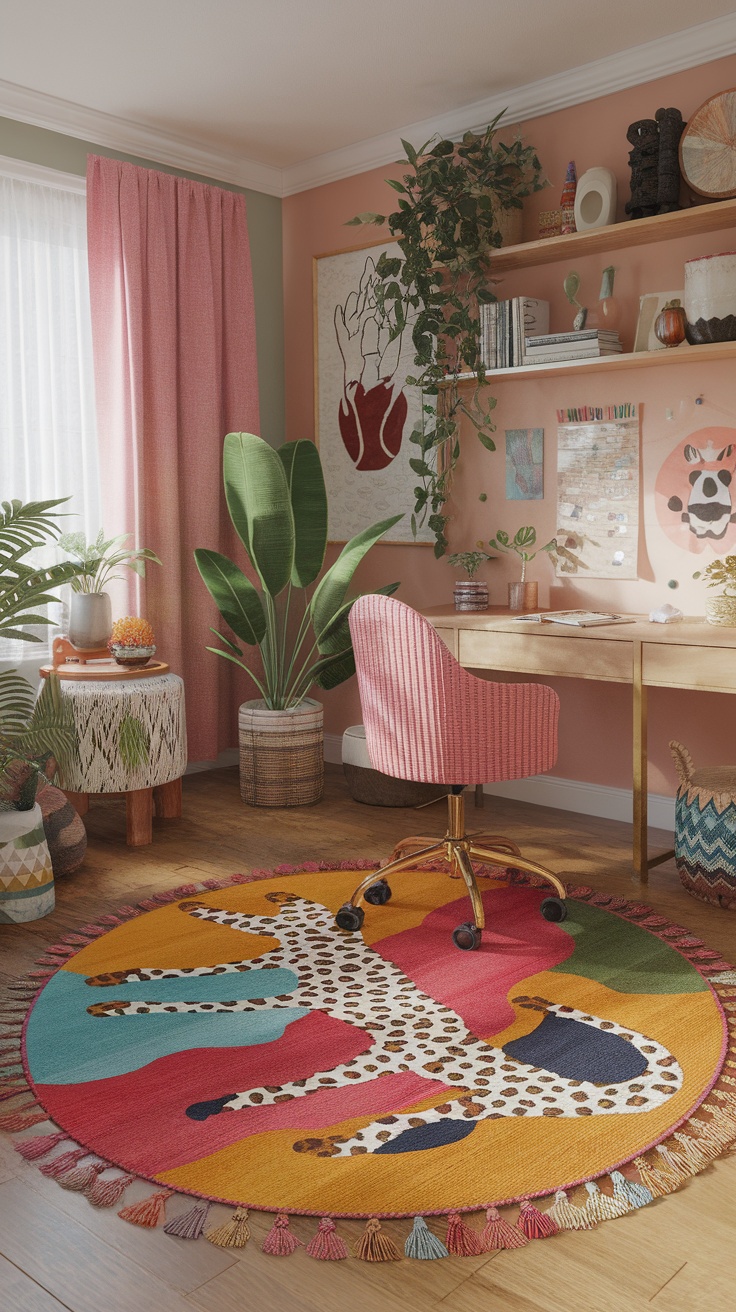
278 506
36 735
90 613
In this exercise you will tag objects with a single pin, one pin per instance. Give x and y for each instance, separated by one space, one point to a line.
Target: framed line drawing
364 415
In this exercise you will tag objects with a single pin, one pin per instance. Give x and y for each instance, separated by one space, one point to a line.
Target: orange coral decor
232 1044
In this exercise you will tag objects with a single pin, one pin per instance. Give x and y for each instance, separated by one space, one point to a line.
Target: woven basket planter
281 754
721 610
705 830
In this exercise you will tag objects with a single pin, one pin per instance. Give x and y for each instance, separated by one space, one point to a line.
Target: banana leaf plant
278 505
32 731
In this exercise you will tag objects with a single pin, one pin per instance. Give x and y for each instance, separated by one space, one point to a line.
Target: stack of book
504 327
584 345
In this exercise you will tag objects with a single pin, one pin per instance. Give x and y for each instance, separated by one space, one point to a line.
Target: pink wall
595 739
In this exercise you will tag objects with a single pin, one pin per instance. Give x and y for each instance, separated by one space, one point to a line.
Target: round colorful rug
233 1044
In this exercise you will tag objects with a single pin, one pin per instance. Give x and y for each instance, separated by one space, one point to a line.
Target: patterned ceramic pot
26 876
523 596
710 298
131 656
470 594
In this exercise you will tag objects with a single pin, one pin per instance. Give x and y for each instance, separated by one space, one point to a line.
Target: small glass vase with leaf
524 595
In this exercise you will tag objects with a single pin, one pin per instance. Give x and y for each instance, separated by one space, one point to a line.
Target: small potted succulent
132 642
523 596
470 593
721 609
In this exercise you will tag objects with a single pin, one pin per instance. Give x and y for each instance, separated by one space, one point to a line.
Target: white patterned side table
131 739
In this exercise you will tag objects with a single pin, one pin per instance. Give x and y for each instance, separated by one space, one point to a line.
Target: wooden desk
691 654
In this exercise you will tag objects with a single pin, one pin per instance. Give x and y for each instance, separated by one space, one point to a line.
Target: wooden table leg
80 801
641 865
139 817
167 800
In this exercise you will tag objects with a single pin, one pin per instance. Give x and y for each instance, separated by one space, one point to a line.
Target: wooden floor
56 1251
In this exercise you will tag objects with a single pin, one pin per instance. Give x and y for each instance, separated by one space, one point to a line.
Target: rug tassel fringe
281 1240
24 1119
461 1240
567 1216
674 1164
535 1224
693 1152
604 1207
82 1177
12 1089
653 1179
422 1244
64 1162
39 1146
327 1245
188 1225
106 1193
374 1244
234 1233
499 1233
147 1213
637 1195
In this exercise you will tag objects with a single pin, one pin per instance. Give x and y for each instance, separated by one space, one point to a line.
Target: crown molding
22 170
602 77
131 138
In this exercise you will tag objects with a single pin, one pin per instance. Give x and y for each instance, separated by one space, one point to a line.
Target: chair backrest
427 719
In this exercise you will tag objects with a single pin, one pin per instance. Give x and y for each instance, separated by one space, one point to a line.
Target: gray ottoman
373 788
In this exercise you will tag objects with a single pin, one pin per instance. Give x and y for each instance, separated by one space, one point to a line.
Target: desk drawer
449 637
667 665
537 653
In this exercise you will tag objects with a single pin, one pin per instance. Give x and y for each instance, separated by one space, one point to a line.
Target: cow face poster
364 413
695 489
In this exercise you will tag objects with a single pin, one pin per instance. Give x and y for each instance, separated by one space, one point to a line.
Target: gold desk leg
641 863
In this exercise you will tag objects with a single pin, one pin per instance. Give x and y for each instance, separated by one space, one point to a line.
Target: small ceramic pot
710 298
670 325
134 657
470 594
523 596
90 619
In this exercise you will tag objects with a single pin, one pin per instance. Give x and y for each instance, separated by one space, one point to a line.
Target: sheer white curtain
48 438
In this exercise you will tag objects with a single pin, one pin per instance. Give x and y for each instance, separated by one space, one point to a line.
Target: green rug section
623 957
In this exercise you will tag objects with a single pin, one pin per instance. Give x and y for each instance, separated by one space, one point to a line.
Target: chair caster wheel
553 908
349 917
467 937
378 894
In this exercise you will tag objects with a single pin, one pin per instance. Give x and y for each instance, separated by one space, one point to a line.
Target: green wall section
624 957
57 151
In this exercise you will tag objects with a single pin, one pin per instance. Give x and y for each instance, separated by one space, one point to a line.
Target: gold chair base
459 850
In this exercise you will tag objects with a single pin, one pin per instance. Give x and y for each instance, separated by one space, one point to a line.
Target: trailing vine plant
447 227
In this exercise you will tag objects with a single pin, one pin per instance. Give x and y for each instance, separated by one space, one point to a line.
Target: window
48 439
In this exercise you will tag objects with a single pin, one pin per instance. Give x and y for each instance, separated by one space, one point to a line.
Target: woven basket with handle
705 829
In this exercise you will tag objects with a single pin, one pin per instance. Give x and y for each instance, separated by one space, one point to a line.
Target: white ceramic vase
90 619
595 199
710 298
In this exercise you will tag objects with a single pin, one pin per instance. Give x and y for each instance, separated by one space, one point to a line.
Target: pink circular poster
694 491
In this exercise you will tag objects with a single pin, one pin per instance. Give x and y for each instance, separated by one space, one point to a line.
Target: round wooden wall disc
708 147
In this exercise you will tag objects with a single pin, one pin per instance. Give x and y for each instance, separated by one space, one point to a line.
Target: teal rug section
94 1049
624 957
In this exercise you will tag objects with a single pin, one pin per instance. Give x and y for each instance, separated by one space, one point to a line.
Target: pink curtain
175 370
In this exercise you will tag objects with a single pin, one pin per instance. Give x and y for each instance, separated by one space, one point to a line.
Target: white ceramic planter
90 619
26 876
281 754
710 298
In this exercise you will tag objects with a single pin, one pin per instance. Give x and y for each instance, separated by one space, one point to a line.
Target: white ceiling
282 82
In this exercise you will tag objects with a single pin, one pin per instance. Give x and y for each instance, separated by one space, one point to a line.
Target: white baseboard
562 794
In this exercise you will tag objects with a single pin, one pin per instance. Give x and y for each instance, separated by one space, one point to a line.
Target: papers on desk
579 619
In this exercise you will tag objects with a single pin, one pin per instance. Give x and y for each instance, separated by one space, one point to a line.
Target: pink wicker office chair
429 720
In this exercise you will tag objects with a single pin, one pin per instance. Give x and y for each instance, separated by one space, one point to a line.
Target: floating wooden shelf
617 236
636 360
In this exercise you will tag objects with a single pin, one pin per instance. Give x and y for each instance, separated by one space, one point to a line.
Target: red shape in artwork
372 424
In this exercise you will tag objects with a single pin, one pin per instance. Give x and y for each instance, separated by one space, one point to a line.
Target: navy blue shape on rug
435 1135
576 1051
